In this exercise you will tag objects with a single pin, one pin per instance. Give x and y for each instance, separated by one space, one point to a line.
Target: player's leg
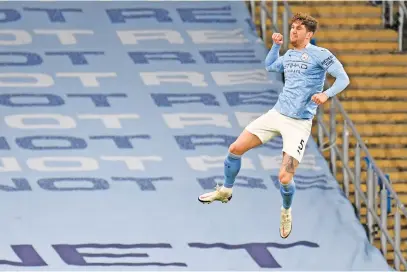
287 190
232 164
295 137
255 134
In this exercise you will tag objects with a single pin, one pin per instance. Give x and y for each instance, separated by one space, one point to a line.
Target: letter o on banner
50 142
75 164
55 121
74 184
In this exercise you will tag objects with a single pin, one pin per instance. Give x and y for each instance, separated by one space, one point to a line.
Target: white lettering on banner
204 163
20 37
59 121
87 79
40 164
109 120
9 164
156 78
235 36
72 164
133 163
308 162
245 118
149 78
65 36
181 120
134 36
39 80
270 162
241 77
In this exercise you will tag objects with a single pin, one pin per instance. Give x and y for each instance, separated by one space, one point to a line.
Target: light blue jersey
305 72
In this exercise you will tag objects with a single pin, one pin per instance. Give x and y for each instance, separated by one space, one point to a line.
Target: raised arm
274 62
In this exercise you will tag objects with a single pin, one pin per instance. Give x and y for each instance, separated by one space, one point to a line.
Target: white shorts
295 132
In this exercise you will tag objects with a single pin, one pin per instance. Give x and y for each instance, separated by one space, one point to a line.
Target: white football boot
285 222
221 193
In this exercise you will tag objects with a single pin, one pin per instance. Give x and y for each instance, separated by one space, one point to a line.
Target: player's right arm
274 62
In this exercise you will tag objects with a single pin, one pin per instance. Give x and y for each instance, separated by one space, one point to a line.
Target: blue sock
231 169
287 192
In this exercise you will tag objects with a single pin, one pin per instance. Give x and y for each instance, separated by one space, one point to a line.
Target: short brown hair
310 23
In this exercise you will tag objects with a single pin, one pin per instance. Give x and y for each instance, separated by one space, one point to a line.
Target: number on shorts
300 147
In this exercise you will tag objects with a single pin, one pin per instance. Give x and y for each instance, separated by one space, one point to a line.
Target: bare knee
244 143
285 177
237 148
287 169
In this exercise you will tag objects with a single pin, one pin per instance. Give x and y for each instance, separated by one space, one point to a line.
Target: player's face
298 33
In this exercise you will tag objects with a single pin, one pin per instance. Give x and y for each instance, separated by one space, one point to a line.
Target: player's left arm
335 68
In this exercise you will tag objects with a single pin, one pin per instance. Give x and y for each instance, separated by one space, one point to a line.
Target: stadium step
348 58
350 22
382 163
363 187
352 34
347 46
331 3
378 130
397 178
376 70
359 46
366 82
332 11
393 142
363 209
378 141
372 117
373 106
378 94
384 153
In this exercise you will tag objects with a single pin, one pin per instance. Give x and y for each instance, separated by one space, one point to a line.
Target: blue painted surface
75 183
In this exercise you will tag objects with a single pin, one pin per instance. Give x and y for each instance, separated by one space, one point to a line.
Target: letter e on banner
129 37
123 254
235 36
156 78
241 77
181 120
205 163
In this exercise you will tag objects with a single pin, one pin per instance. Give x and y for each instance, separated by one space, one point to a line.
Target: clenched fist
320 98
277 38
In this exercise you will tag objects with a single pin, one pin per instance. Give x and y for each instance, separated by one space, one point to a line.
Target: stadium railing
374 198
399 22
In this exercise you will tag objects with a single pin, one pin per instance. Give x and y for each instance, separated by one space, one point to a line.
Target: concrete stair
376 98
